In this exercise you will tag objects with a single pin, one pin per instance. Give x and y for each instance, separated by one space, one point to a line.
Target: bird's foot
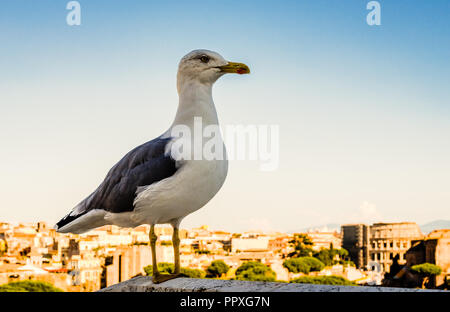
160 278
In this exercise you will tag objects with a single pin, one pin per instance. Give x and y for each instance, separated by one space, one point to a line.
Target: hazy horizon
314 227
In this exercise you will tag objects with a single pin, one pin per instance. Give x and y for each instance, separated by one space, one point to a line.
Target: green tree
302 246
314 263
255 271
169 268
8 288
296 265
426 271
29 286
328 256
343 254
324 280
303 265
193 273
163 267
217 268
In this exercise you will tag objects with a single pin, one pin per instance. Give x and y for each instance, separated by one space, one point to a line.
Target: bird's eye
204 59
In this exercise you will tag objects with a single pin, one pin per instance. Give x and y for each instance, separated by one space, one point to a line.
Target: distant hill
435 225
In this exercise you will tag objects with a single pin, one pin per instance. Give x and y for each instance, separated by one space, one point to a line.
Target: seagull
151 184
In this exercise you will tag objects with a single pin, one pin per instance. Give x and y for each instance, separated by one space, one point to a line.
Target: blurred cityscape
381 253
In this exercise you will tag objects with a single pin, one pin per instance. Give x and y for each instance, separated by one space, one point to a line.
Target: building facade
355 239
379 243
388 240
324 240
249 244
435 249
126 262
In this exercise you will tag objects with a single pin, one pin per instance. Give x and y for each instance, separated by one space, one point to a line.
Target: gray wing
144 165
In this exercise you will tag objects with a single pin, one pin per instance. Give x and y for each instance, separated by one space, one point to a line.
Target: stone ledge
145 284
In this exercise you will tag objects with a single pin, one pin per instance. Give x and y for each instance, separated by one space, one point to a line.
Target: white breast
189 189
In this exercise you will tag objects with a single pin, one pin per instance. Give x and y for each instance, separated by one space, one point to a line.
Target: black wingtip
66 220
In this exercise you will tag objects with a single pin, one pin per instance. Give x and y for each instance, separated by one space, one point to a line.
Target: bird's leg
176 249
153 238
158 277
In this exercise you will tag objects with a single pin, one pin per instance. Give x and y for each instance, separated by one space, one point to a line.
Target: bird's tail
82 222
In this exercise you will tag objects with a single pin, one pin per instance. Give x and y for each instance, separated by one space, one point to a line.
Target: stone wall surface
145 284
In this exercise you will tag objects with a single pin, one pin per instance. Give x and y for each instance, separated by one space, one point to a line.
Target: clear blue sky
364 111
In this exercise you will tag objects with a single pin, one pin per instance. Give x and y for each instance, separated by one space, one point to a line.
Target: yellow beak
235 68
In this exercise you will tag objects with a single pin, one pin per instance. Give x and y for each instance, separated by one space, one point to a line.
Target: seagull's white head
206 66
